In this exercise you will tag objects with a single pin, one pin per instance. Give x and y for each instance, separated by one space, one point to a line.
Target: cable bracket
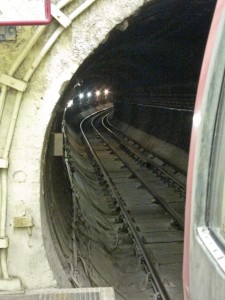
16 84
59 16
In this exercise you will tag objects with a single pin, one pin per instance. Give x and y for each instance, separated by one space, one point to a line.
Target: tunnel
149 65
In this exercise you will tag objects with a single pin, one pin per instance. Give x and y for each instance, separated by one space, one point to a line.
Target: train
204 246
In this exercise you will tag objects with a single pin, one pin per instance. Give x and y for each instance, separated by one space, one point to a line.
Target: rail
171 211
154 277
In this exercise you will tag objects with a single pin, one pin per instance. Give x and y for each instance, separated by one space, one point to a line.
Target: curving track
150 200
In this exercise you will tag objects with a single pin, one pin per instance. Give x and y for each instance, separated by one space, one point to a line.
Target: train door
204 253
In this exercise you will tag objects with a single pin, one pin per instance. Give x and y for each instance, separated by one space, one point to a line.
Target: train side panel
204 250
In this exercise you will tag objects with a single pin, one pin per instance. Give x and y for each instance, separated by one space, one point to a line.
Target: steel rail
171 211
141 156
154 276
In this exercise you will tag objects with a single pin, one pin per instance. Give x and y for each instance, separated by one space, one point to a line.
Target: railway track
158 170
171 173
151 204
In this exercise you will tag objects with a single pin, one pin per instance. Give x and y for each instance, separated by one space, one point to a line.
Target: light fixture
97 93
81 95
89 94
106 91
70 103
77 84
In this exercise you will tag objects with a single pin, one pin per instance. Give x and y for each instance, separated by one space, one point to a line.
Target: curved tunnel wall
58 206
170 125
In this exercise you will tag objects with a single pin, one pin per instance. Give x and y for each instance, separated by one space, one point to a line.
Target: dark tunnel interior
150 64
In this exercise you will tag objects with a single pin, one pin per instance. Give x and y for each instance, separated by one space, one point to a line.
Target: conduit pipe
59 30
33 67
4 185
3 221
80 9
2 100
54 37
18 62
23 55
3 196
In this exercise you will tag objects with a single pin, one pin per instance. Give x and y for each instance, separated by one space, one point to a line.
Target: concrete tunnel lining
39 117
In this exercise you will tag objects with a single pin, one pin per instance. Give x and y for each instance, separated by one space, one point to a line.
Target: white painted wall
26 253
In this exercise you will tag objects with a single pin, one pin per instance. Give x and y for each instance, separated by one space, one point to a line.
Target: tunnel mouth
150 64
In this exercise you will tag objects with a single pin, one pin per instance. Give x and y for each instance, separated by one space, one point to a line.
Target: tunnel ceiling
161 45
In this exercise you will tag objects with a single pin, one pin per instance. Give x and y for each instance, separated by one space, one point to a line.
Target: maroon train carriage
204 253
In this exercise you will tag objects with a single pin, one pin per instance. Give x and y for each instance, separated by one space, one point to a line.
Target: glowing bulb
81 95
70 103
89 94
98 93
106 92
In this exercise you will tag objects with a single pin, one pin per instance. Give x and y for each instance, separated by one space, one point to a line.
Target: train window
216 203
